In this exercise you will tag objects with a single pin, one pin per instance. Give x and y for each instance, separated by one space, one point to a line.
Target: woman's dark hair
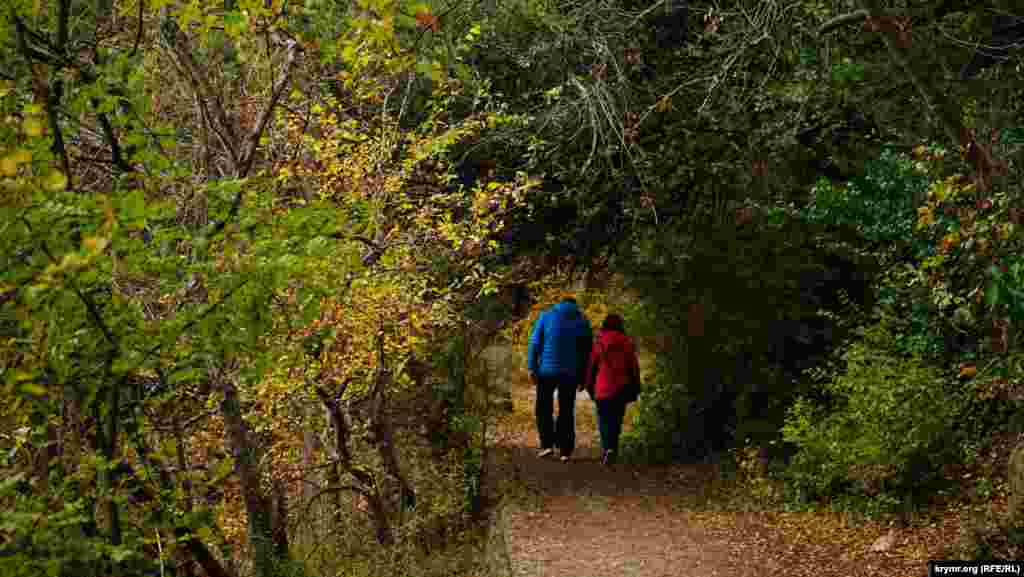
613 322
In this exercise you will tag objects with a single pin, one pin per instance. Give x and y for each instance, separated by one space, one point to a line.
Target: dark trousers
563 433
610 413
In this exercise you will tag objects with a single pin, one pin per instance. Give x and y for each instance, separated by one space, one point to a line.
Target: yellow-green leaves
32 126
10 163
55 181
236 23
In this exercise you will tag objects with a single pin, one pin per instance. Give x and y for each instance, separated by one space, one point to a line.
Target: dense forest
253 252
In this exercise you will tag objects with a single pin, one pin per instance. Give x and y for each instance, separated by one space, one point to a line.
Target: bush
880 203
895 415
41 536
987 534
729 383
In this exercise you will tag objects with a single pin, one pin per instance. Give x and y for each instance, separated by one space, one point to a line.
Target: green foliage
893 417
656 432
880 203
871 507
1006 289
915 324
847 72
58 538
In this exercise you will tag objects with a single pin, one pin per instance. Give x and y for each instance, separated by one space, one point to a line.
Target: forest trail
581 519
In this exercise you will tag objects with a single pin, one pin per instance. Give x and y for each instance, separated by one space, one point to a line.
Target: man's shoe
608 458
545 453
565 458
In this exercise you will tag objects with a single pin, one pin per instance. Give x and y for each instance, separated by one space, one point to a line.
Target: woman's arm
634 362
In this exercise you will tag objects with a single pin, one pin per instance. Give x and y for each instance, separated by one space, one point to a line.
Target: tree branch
331 490
52 114
244 160
364 477
382 430
934 100
138 36
181 50
852 18
156 348
253 140
115 146
196 548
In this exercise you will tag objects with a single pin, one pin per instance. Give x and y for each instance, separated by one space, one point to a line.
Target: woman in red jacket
613 364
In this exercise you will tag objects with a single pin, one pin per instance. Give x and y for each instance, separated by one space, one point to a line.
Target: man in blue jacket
557 359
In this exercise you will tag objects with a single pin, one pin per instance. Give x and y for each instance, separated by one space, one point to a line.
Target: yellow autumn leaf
939 191
925 218
94 243
1005 231
8 166
32 126
55 181
33 389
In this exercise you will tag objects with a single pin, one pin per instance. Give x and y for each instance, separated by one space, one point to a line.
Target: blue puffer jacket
560 343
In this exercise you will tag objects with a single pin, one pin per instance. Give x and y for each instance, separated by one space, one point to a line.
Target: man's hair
569 300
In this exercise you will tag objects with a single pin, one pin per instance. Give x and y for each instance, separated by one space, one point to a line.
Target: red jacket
613 362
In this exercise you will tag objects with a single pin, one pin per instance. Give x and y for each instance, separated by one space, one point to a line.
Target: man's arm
536 345
585 344
590 378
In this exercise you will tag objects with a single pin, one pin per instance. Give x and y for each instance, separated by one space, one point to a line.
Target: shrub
987 534
894 414
880 203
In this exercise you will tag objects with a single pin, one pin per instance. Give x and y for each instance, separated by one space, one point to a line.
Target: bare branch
331 490
138 36
854 17
253 140
243 161
181 51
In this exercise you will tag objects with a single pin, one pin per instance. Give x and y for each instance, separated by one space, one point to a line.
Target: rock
1015 477
885 542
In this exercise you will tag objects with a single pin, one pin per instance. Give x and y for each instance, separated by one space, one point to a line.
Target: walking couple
564 357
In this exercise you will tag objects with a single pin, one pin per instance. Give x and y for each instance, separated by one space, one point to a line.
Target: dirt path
580 519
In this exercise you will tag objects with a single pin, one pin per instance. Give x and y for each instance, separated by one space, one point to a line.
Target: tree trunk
384 438
279 518
310 479
366 486
257 505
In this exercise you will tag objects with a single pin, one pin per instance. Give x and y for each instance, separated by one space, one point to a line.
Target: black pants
563 433
610 413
